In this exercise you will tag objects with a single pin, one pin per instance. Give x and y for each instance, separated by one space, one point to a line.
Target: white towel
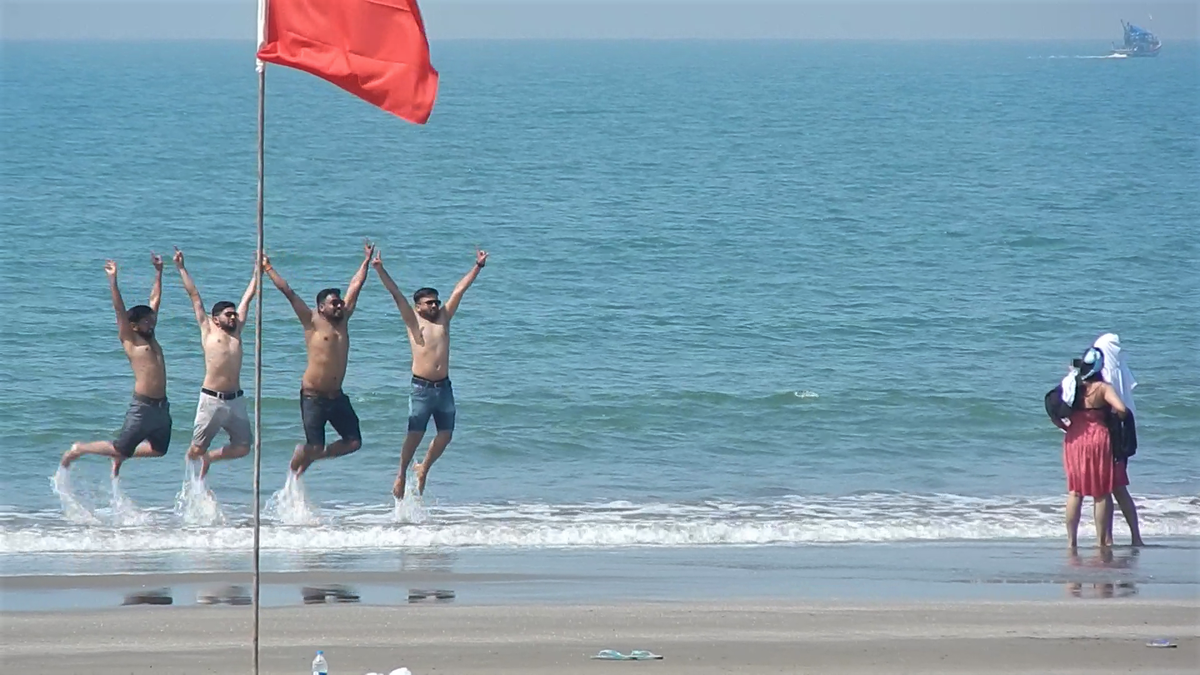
1116 371
1068 386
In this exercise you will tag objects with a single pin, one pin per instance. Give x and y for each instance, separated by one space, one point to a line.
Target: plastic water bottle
320 666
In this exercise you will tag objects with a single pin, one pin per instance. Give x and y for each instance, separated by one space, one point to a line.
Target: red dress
1087 454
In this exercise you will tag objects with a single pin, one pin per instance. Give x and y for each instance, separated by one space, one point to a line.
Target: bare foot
398 486
70 456
203 458
1138 542
300 460
419 472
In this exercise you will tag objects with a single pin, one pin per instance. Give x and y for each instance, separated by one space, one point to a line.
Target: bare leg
411 441
103 448
304 456
436 447
195 453
1129 510
1102 511
1074 506
1107 539
221 454
339 448
141 451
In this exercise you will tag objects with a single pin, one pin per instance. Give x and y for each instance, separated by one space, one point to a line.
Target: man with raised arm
147 428
431 394
222 404
327 340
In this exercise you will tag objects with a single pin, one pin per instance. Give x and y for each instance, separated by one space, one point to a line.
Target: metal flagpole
258 324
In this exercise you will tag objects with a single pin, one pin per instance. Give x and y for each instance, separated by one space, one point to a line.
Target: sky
654 19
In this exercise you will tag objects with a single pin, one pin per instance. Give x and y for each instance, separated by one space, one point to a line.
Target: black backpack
1055 407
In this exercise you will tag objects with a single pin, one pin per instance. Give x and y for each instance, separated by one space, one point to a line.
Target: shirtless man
147 428
221 405
431 394
328 342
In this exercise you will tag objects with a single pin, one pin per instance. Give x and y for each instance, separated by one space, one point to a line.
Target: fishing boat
1138 42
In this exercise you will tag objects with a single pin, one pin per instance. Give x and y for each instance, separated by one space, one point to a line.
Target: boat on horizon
1138 42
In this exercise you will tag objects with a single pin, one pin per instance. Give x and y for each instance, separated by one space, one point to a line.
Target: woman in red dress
1087 448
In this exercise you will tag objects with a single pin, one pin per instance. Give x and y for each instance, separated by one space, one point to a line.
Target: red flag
374 49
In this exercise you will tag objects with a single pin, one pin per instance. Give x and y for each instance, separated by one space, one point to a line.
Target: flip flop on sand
635 655
1160 643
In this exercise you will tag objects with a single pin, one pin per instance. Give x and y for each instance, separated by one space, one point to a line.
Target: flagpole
258 322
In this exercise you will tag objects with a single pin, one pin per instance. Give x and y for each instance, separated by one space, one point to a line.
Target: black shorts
148 419
316 411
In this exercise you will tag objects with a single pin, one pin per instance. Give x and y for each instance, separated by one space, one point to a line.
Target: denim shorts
431 399
316 411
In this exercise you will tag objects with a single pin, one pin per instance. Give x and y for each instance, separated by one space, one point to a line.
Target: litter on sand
635 655
1160 643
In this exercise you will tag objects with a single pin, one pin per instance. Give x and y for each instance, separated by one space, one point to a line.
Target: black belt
223 395
444 382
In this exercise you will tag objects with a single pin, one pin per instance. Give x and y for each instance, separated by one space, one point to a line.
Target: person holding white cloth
1116 373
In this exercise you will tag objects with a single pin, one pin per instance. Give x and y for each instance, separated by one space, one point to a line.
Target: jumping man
327 340
147 428
431 394
221 404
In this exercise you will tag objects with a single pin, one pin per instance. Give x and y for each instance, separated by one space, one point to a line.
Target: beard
430 314
148 334
228 328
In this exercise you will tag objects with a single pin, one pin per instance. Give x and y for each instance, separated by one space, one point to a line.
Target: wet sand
1071 636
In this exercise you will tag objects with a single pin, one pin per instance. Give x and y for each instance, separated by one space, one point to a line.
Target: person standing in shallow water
222 404
1087 448
327 339
147 428
430 394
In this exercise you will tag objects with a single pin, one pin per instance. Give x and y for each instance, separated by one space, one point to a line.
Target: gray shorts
221 410
147 419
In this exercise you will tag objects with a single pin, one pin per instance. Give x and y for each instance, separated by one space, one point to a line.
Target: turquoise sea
745 300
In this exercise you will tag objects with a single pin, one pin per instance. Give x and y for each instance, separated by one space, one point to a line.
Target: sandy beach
1036 637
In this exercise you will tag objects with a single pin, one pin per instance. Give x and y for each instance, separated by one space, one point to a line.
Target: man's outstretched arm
464 284
244 305
124 330
359 278
193 293
406 311
156 289
302 311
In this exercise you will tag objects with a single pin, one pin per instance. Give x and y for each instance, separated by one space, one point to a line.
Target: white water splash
195 504
290 504
790 520
124 512
411 509
73 509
